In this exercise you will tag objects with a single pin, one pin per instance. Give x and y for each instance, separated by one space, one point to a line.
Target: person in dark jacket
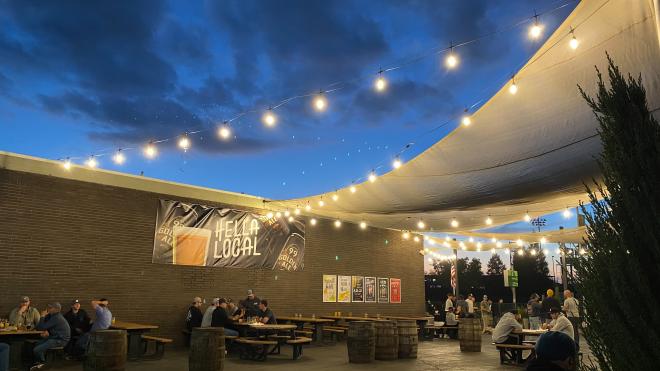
222 319
79 323
548 303
194 317
251 305
55 332
555 351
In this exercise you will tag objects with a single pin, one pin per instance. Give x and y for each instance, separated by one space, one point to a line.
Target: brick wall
62 239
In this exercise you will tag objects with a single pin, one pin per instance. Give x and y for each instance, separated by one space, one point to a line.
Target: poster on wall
395 290
383 290
329 288
357 289
192 234
369 289
344 289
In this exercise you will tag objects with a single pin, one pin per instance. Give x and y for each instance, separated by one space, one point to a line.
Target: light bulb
462 245
489 221
150 150
405 235
353 189
66 164
493 240
558 251
479 245
519 242
527 218
335 197
269 215
471 240
363 225
290 219
447 238
287 213
308 207
507 251
321 203
416 239
320 103
119 158
513 88
583 251
466 120
535 30
312 221
498 244
478 248
521 252
545 252
380 84
396 163
184 143
430 260
269 118
421 225
543 240
451 61
91 162
566 213
533 252
432 242
224 132
278 214
372 177
454 223
492 251
296 211
426 238
574 43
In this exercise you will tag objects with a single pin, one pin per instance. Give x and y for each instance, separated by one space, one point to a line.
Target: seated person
102 321
194 317
4 357
79 323
24 315
267 317
559 323
450 320
208 314
234 311
221 319
502 333
554 351
54 331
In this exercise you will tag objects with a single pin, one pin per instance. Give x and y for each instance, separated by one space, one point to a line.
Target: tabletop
19 332
267 327
128 326
412 318
305 319
526 331
351 318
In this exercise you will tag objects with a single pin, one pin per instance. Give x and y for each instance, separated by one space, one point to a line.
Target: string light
363 225
426 238
320 103
290 219
91 162
432 242
582 251
184 142
287 213
353 189
574 43
372 176
489 221
278 214
447 238
454 223
545 252
513 88
519 242
335 197
493 240
396 163
430 260
269 118
269 215
536 29
416 239
566 213
533 252
380 84
558 250
421 225
462 245
337 223
406 235
224 131
466 121
527 218
471 240
297 211
150 150
308 207
492 251
452 60
499 244
66 164
321 203
543 240
507 251
312 221
119 157
521 252
479 245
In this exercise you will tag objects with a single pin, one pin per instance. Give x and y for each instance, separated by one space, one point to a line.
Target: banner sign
329 288
383 290
510 278
357 289
395 290
369 289
344 289
192 234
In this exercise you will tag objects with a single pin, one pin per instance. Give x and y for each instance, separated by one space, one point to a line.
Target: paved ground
440 354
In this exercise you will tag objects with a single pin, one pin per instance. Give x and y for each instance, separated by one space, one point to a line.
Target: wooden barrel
361 342
207 349
407 331
469 333
106 351
387 340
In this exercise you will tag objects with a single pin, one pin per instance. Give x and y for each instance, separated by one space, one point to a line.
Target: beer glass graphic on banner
190 245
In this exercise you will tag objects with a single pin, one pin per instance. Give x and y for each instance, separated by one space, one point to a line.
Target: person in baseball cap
251 304
554 351
55 333
25 315
79 322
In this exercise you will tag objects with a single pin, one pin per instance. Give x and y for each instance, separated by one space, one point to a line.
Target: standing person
267 316
548 303
4 357
449 303
102 321
221 319
55 332
79 323
534 309
559 323
208 314
486 307
251 304
25 315
572 309
461 306
470 305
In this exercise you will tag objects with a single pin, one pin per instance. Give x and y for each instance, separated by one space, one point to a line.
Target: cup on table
365 315
113 320
378 315
314 315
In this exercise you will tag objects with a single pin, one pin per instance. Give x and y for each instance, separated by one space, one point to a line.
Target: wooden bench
256 349
297 345
334 332
304 333
159 343
512 353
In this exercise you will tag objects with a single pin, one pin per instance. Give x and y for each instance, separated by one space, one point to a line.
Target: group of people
223 312
461 307
70 330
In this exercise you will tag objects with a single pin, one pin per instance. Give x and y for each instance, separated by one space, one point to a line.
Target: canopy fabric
572 235
531 152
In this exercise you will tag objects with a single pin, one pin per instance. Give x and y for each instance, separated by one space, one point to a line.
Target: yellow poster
344 289
329 288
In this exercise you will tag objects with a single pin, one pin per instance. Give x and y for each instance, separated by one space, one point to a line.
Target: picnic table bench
135 340
512 353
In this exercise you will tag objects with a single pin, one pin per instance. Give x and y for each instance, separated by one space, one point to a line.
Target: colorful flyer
344 289
357 289
329 288
383 290
369 289
395 290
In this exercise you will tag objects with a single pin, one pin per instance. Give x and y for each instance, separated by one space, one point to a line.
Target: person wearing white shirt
470 303
571 307
559 323
208 314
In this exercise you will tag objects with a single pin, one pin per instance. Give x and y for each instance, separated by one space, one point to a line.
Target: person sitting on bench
502 331
221 319
554 351
451 321
55 332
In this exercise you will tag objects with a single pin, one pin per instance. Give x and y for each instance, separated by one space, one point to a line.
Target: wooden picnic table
318 324
244 327
15 339
421 322
134 331
527 332
353 318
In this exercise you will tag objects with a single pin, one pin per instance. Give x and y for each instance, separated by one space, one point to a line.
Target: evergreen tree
619 280
532 274
495 266
472 276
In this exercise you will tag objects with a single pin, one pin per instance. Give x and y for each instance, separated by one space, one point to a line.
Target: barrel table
407 332
207 349
106 351
387 340
361 342
469 333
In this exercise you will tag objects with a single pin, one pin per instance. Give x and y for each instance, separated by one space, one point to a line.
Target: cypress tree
620 277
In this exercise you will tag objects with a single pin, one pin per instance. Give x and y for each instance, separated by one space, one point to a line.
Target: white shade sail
530 152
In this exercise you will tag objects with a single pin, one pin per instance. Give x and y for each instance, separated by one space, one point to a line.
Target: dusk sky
81 78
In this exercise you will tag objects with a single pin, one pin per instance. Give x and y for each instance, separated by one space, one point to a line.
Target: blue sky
81 78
